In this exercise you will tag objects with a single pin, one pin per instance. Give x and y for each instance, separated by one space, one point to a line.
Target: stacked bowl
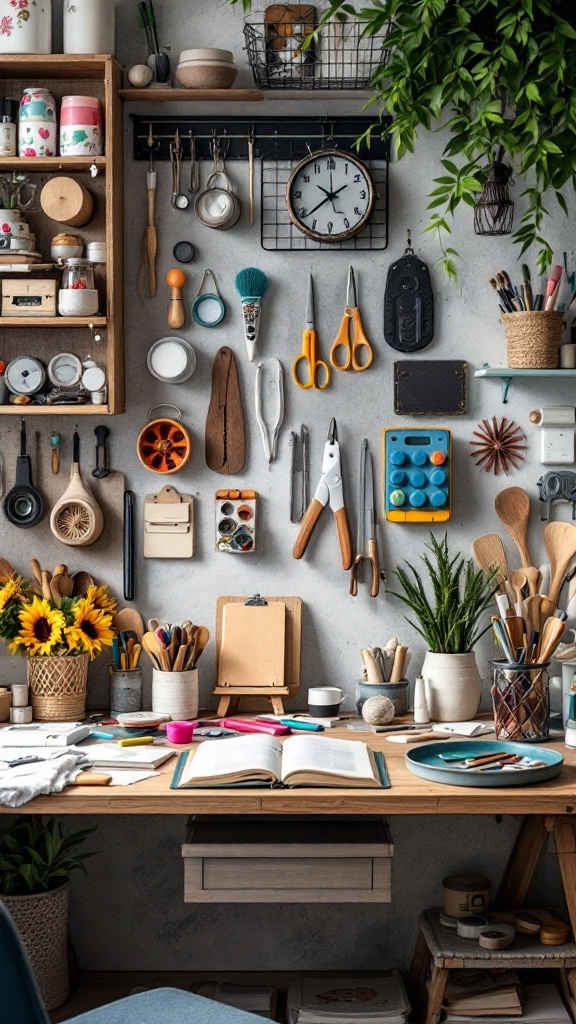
206 68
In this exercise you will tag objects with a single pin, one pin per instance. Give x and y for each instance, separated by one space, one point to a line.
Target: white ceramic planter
453 686
26 27
89 26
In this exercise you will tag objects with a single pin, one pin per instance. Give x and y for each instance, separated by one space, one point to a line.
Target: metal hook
95 335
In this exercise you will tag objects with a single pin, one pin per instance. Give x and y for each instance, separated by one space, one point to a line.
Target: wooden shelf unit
192 95
101 76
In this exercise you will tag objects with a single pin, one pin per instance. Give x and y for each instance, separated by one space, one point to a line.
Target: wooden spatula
513 510
536 610
552 630
489 554
560 541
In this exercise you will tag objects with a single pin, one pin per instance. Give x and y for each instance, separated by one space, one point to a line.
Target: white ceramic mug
325 701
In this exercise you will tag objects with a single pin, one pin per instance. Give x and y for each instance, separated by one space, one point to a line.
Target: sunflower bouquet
34 626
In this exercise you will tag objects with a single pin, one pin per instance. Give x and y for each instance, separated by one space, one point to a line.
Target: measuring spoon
180 200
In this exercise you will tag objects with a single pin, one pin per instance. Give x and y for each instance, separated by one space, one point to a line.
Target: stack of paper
321 999
260 999
541 1004
481 993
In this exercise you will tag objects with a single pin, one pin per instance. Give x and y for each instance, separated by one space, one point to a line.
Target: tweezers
268 386
299 473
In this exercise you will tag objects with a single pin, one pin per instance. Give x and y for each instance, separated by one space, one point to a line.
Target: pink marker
243 725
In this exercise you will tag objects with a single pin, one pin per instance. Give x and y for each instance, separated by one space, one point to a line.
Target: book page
346 758
233 758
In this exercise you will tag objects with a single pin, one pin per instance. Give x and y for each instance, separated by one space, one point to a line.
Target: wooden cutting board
293 636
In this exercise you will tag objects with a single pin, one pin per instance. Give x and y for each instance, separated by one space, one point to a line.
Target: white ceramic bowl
206 53
171 360
66 252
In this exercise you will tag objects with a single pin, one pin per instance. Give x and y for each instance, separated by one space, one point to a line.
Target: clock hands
330 196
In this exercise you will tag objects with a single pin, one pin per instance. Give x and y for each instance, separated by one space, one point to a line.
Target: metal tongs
269 388
299 474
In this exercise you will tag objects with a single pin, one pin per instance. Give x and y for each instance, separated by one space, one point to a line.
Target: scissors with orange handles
351 349
307 370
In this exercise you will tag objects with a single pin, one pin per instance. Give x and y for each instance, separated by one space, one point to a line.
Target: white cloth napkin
23 782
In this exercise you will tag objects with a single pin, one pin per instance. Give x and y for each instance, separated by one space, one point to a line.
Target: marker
136 741
99 735
294 723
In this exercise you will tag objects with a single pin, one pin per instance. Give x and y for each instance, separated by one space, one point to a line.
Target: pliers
329 489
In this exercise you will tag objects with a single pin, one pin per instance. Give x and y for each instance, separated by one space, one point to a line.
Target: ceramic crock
37 105
25 26
36 138
453 686
89 26
80 126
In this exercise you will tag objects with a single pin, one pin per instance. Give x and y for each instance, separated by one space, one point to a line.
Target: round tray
425 762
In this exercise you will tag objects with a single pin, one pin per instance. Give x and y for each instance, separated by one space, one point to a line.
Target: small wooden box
29 298
294 860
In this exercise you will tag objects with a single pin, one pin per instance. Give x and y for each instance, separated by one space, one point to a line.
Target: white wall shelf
506 374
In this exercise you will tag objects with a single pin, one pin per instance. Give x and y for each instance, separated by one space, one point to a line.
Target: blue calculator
417 467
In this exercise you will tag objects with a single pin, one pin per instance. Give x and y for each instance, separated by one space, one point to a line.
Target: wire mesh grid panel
278 233
343 56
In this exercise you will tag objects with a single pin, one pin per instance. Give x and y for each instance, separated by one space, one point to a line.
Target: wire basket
344 56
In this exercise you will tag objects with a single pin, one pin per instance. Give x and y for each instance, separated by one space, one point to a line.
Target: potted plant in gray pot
36 862
449 621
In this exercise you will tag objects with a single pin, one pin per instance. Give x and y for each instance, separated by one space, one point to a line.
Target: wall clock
330 195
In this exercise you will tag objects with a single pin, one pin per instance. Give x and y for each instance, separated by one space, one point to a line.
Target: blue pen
102 735
308 726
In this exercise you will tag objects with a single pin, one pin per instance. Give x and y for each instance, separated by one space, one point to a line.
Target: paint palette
417 474
236 521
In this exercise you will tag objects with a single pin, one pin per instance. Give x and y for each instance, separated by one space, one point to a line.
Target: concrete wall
129 913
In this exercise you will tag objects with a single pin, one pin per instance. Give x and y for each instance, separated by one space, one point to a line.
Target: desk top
407 795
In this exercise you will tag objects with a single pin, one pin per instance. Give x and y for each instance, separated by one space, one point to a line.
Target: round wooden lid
67 201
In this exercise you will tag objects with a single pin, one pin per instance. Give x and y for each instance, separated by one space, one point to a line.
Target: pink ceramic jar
80 126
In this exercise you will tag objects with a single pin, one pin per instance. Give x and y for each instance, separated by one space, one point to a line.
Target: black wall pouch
408 304
23 505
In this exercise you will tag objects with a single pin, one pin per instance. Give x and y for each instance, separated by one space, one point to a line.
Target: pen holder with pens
533 339
175 693
521 701
125 691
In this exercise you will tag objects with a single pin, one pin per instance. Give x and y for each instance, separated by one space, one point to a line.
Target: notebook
110 755
262 760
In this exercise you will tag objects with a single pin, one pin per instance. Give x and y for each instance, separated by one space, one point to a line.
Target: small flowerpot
397 692
42 921
453 686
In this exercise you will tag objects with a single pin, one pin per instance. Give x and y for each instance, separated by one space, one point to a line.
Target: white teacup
325 701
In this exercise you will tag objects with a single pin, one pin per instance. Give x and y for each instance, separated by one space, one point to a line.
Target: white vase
453 686
26 27
89 26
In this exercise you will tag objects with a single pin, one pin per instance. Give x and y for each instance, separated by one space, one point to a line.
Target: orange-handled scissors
351 348
317 371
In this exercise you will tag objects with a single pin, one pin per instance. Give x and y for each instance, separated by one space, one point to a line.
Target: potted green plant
36 862
449 622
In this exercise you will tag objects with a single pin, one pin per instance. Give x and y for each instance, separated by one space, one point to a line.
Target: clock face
25 375
330 196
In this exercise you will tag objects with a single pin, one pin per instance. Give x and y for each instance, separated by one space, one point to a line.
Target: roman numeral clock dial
330 196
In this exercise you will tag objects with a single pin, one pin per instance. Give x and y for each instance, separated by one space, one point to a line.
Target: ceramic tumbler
175 693
89 26
36 138
80 126
37 105
26 26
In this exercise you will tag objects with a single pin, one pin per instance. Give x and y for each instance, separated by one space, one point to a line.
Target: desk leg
438 983
418 975
566 852
522 863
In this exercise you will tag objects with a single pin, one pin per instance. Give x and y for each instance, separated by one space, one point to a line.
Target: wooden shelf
55 410
506 374
191 95
36 164
54 65
52 321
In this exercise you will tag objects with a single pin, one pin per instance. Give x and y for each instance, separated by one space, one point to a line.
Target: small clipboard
168 524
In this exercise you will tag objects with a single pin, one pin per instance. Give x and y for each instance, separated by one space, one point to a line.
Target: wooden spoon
518 581
36 569
46 581
128 619
200 640
6 570
153 649
80 583
537 609
552 630
513 510
489 554
560 541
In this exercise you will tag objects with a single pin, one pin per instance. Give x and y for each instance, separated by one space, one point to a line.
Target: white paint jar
26 28
175 694
89 26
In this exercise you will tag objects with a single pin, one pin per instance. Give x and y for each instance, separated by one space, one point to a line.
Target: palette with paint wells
417 467
236 521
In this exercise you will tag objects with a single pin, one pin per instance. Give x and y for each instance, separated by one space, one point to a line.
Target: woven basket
533 339
42 921
58 687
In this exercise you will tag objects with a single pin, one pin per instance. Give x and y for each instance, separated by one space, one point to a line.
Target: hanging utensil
269 391
77 518
194 164
129 547
102 467
299 474
23 504
179 200
150 239
251 175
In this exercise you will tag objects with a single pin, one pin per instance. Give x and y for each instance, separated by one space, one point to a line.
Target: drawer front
287 873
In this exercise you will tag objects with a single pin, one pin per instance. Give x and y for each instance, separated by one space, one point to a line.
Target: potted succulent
449 622
36 862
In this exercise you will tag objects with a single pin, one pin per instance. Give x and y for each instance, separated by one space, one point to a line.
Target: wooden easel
533 834
229 695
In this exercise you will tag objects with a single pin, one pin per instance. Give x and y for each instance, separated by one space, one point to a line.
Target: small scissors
352 345
308 353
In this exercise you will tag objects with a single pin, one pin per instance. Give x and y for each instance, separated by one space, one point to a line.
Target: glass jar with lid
78 274
78 296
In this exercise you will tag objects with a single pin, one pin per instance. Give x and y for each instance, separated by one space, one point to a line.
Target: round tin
554 933
469 927
21 716
496 936
184 252
527 922
465 894
171 360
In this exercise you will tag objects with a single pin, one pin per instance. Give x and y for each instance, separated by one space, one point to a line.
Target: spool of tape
496 936
21 716
470 927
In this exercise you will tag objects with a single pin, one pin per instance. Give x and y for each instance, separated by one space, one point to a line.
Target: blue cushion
166 1006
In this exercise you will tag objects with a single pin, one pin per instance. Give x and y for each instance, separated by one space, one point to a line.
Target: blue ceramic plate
426 762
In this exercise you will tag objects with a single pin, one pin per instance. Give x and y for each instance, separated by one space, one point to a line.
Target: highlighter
295 723
136 741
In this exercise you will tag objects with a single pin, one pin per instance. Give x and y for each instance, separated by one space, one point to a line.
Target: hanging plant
492 73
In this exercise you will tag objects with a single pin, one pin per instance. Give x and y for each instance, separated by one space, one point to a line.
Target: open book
259 760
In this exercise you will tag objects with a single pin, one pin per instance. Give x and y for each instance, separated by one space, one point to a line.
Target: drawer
277 861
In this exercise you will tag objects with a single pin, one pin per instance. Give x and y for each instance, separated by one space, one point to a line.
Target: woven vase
533 339
42 921
58 687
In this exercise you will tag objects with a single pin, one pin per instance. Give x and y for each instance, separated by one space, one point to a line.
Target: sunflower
41 628
100 598
90 631
11 591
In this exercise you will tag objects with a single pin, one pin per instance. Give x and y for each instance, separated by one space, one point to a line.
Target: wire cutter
366 543
357 350
318 372
329 489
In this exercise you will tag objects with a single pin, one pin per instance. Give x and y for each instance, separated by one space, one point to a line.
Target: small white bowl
66 252
206 53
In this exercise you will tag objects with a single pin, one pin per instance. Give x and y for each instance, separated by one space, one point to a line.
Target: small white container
89 26
81 140
7 137
37 138
26 26
78 301
171 360
19 695
175 694
96 252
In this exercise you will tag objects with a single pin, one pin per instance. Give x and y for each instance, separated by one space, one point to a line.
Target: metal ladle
180 201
